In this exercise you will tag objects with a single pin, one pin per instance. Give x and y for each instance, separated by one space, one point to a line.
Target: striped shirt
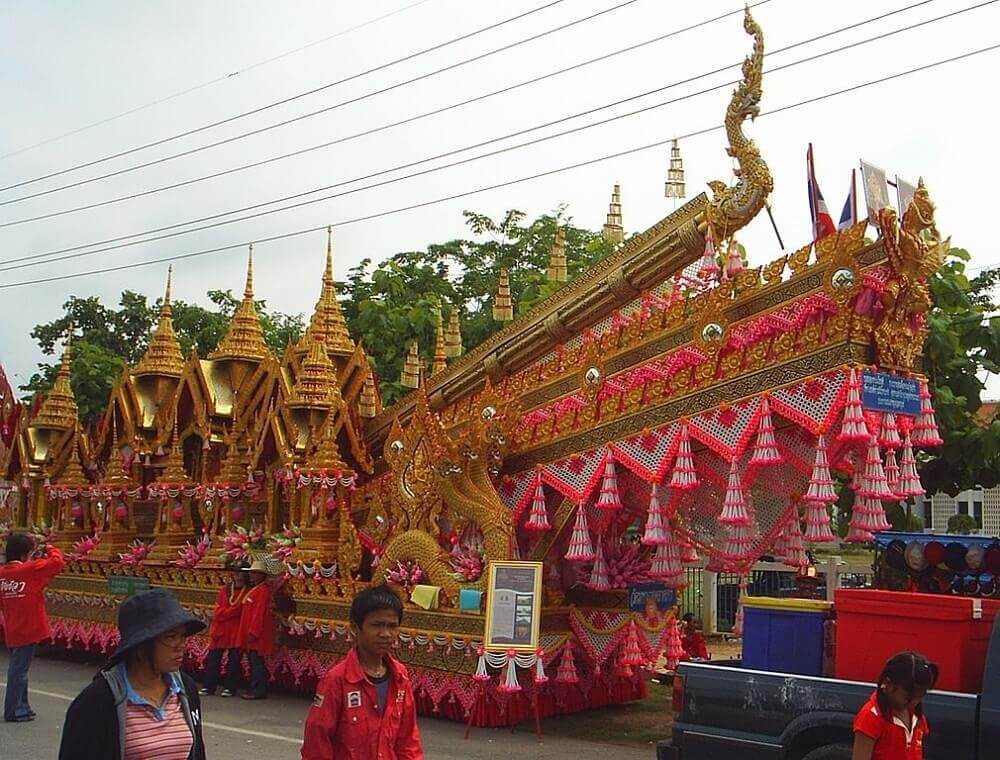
156 732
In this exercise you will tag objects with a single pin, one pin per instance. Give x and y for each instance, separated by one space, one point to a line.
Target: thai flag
849 216
821 219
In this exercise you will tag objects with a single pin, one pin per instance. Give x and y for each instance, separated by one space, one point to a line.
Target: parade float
668 405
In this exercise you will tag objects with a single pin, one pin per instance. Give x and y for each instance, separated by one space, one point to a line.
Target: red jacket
344 723
22 601
256 630
225 630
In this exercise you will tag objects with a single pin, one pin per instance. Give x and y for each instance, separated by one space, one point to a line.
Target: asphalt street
272 728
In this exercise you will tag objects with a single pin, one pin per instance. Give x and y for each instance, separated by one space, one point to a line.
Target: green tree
93 372
963 525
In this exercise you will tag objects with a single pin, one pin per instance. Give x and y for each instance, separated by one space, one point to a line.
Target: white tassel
510 683
481 674
540 676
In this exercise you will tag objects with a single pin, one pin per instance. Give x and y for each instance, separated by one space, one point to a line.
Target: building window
928 521
963 507
977 512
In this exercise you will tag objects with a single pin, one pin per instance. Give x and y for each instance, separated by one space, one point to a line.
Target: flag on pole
821 220
876 189
904 194
849 216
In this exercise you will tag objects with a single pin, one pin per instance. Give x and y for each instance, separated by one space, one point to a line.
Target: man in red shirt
364 707
22 583
256 634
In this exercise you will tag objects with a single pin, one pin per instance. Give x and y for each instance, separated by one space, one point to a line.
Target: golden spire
440 351
116 473
59 409
674 186
328 323
232 469
453 337
557 271
316 386
72 474
174 472
368 403
411 368
244 339
326 455
613 231
503 309
163 356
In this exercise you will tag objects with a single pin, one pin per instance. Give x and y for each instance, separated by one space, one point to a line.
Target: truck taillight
677 702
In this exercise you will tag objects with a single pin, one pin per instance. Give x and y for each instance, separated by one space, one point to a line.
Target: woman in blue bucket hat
140 704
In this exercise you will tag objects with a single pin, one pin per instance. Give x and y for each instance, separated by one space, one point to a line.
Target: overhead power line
210 82
53 256
477 98
499 185
327 86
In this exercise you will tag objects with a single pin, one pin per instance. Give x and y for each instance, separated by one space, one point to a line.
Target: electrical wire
69 251
291 98
508 183
209 83
374 130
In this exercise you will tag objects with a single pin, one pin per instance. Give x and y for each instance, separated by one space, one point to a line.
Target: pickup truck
723 710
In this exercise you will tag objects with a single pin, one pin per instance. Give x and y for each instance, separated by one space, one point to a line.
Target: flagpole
854 195
774 225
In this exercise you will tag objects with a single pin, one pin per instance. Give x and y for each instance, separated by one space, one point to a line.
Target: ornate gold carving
163 357
799 261
59 409
245 338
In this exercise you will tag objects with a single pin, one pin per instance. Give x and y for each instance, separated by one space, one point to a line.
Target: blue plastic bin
784 635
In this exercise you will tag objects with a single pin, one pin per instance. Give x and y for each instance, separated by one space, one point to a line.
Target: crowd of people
141 705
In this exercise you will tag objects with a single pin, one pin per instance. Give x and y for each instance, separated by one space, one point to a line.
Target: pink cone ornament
854 427
734 263
796 554
892 472
765 451
609 498
538 518
909 480
739 543
873 483
925 429
738 623
684 476
540 676
653 533
666 565
581 549
675 649
688 554
632 654
567 667
734 506
820 481
709 267
888 437
599 580
818 523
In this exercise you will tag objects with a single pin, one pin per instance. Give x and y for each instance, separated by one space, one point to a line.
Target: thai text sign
640 594
127 585
890 393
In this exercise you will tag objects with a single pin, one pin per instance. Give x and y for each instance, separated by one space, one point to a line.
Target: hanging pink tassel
873 483
675 649
909 480
818 523
632 654
780 549
688 554
599 580
684 476
734 506
892 472
567 667
739 543
734 263
925 429
868 515
653 533
765 449
738 623
609 498
540 676
666 564
889 434
796 554
581 549
709 267
856 535
510 684
538 518
481 674
854 427
821 482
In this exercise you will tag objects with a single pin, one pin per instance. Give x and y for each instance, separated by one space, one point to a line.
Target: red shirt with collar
22 600
225 630
256 630
344 722
893 739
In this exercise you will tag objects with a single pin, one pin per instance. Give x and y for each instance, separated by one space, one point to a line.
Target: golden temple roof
232 469
59 410
316 386
245 338
116 473
326 456
368 403
174 472
440 349
163 357
328 323
72 474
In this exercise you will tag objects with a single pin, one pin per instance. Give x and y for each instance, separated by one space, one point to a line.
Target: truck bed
760 714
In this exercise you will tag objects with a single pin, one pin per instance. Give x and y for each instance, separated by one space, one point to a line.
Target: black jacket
94 722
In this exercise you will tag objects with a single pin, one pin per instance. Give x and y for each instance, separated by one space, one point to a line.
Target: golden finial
557 271
245 338
72 474
411 368
503 308
368 403
316 386
674 186
326 455
232 469
613 231
59 410
174 472
116 473
328 323
163 356
440 363
453 337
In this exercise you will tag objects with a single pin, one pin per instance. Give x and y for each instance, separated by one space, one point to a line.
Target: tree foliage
963 525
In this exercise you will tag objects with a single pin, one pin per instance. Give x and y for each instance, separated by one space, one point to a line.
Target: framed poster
513 605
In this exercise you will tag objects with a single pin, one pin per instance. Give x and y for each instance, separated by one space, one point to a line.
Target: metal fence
714 597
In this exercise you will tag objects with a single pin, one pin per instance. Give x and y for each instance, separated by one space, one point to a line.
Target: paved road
270 729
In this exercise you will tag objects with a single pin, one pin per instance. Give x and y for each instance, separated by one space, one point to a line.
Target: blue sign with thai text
639 595
890 393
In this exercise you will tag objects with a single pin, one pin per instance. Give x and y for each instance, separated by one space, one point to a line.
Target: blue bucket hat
145 616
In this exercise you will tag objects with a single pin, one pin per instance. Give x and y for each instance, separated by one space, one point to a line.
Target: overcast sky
64 65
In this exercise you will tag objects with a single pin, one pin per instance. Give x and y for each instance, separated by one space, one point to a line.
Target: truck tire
831 752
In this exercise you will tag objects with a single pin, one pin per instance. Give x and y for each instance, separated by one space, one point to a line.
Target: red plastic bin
952 631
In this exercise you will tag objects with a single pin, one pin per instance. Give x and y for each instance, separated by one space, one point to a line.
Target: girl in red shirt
224 635
891 725
256 633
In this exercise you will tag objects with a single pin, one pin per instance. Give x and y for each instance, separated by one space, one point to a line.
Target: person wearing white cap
257 629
